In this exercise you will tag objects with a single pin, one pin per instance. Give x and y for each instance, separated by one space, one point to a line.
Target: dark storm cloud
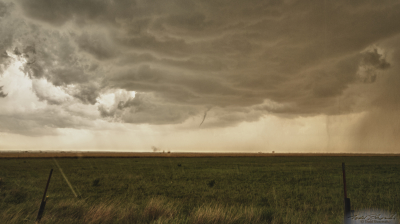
192 63
55 57
3 9
96 45
155 79
6 36
147 108
373 58
62 11
243 59
87 93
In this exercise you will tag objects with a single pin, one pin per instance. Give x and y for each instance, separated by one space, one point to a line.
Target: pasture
196 190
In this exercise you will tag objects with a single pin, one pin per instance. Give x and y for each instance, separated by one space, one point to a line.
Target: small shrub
211 183
96 182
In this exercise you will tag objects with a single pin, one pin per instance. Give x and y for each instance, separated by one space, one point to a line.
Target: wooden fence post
43 203
347 207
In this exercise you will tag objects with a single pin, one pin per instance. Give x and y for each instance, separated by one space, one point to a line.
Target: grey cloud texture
244 59
2 94
42 122
147 108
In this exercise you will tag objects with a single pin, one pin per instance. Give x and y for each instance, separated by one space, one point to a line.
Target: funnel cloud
204 117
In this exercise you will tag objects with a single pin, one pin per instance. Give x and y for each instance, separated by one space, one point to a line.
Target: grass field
196 190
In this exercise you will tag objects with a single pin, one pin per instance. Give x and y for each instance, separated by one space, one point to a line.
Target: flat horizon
109 154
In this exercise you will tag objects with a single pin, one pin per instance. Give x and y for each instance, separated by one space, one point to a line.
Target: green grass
200 190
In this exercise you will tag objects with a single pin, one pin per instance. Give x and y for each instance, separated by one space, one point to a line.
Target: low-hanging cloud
147 108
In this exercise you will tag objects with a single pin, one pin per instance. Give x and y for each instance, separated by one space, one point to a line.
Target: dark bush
211 183
96 182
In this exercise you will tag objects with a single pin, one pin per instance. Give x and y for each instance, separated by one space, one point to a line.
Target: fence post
43 203
347 207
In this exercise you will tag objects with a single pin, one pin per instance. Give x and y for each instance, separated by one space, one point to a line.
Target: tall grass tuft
129 214
157 208
101 213
218 214
67 209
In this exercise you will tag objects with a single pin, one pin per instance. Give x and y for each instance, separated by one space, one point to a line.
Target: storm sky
200 75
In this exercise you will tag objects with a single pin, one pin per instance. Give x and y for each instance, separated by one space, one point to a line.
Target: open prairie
263 188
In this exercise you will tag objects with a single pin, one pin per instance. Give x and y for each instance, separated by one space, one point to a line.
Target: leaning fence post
347 208
43 203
